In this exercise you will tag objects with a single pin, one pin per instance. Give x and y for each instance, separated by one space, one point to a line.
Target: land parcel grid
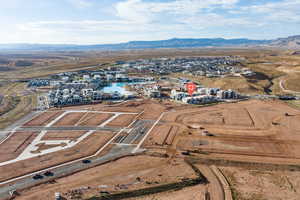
88 146
15 144
43 119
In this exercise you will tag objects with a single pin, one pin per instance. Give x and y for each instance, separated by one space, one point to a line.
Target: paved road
117 152
139 130
68 128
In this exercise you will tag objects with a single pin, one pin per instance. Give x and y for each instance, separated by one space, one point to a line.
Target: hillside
292 42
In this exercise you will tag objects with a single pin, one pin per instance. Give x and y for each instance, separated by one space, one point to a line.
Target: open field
122 120
94 119
43 119
14 146
262 184
118 176
17 102
295 103
26 105
258 128
63 135
70 119
293 82
162 135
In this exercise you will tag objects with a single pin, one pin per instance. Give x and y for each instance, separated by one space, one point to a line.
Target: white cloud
276 12
138 10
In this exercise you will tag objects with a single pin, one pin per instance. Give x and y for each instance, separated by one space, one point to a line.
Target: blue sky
113 21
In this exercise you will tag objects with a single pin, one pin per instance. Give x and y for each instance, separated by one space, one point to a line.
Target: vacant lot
262 184
70 119
122 120
15 145
63 135
43 119
94 119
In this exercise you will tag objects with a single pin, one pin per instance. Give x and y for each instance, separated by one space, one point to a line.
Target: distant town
127 80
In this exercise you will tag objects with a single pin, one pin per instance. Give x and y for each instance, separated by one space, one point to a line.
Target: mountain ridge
292 42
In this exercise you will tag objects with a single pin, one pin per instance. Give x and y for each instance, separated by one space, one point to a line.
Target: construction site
148 149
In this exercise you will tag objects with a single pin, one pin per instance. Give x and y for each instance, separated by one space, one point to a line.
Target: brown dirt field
62 135
153 111
43 146
122 120
135 107
152 171
171 135
238 117
69 119
94 119
262 184
248 128
15 145
163 134
158 135
43 119
87 147
235 147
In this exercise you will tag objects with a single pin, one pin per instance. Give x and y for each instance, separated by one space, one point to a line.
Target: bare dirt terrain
248 132
70 119
43 119
63 135
118 176
252 128
262 184
15 145
122 121
93 119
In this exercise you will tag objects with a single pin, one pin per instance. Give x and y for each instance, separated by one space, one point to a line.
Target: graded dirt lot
15 145
70 119
257 128
43 119
125 174
162 135
86 147
94 119
63 135
262 184
122 120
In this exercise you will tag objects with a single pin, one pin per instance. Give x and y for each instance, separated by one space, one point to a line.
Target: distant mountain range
292 42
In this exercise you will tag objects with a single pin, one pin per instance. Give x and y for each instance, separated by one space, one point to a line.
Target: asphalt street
67 128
